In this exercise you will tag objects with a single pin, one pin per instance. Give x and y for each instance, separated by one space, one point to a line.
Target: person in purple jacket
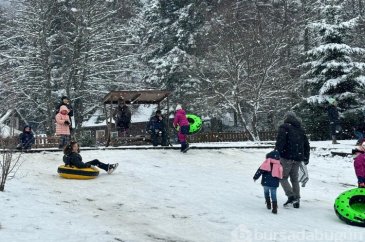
183 123
359 164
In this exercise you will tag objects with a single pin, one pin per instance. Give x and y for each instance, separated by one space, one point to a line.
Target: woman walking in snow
182 122
271 171
72 157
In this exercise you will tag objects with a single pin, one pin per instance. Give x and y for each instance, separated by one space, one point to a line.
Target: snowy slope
163 195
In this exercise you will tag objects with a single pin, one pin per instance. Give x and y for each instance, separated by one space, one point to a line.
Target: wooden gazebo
132 97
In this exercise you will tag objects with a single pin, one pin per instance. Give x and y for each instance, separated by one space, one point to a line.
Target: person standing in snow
122 116
359 163
182 123
334 119
67 102
293 147
26 138
271 171
156 127
72 157
63 126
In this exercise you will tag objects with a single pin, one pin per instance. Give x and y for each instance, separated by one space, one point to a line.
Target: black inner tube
191 121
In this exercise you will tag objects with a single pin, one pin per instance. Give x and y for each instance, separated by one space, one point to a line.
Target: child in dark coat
271 171
26 138
359 164
72 157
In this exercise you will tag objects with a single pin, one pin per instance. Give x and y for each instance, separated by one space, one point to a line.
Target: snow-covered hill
163 195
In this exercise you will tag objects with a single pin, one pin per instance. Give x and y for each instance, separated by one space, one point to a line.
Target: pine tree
169 43
333 70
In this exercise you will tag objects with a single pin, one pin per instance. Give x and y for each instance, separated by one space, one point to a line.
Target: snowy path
163 195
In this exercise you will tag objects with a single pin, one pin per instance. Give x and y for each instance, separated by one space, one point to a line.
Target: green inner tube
195 122
350 206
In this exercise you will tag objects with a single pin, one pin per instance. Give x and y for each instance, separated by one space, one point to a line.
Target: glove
67 122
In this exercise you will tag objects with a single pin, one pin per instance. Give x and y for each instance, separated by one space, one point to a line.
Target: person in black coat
359 132
157 128
122 116
333 117
72 157
26 138
293 146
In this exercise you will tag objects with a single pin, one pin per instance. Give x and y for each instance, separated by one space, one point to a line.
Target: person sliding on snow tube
72 157
183 123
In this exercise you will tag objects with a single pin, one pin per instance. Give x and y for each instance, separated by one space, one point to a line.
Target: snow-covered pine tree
170 32
332 71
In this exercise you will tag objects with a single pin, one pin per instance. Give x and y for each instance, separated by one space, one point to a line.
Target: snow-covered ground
164 195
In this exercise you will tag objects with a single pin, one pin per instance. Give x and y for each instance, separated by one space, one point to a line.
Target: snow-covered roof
6 131
94 120
141 114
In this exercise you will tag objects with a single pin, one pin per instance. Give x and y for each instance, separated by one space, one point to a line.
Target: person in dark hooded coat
122 116
26 138
293 147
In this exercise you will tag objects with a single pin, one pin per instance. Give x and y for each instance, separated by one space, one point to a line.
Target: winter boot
274 207
362 185
187 147
334 140
296 203
268 202
112 167
290 201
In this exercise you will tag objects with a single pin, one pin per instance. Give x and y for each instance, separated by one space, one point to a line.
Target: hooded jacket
180 118
271 171
27 138
291 141
61 127
69 106
359 164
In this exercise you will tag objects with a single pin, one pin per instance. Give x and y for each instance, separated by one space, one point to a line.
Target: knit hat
178 107
273 155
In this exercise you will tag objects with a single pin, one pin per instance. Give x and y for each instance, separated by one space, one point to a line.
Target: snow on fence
43 141
229 136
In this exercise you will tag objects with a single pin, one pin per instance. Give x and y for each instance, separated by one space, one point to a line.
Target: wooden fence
53 141
229 137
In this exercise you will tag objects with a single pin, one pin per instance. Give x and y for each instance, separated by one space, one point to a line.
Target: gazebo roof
136 97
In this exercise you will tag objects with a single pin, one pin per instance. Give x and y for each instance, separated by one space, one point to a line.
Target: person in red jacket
359 164
182 122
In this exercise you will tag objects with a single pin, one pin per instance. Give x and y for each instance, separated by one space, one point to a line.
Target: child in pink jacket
184 126
359 164
63 126
271 171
